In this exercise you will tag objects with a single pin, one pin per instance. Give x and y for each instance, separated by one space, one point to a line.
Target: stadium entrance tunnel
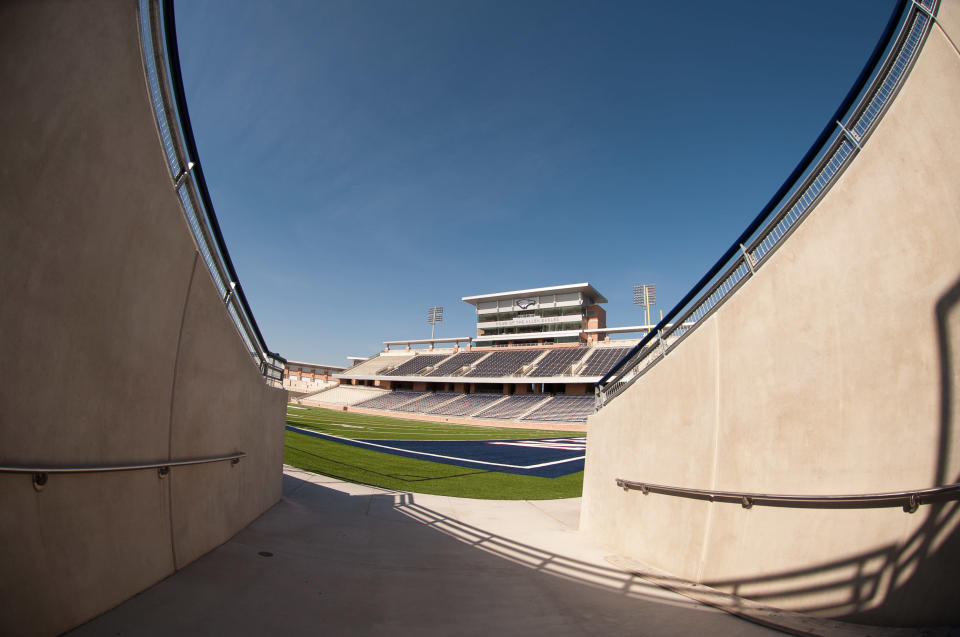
119 290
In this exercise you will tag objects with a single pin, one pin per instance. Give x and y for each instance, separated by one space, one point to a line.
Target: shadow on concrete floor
340 559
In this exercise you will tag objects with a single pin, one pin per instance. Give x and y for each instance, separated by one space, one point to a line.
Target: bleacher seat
465 406
344 395
455 362
558 361
378 364
425 403
415 364
563 409
602 359
505 363
512 407
390 400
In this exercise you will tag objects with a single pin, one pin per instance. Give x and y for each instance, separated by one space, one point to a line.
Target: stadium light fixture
434 316
645 295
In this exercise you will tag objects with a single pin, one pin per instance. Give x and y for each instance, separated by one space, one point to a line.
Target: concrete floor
344 559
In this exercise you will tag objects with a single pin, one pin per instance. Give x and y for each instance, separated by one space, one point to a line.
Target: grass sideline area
419 476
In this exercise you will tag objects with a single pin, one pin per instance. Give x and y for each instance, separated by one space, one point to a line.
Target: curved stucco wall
114 343
834 370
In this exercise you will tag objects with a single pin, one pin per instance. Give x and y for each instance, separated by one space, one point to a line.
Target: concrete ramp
833 370
336 558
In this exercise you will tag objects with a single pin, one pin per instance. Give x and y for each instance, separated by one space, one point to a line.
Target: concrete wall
834 370
105 299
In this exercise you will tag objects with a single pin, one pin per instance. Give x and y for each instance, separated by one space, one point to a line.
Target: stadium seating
505 363
512 407
563 409
308 386
378 364
425 403
466 405
539 407
390 400
557 362
415 364
344 395
450 366
602 359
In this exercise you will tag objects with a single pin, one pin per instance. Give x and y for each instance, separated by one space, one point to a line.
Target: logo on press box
525 303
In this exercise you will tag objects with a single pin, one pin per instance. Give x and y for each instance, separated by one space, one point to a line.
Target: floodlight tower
645 296
434 316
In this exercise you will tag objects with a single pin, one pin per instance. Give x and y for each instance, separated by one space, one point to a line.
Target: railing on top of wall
838 143
162 65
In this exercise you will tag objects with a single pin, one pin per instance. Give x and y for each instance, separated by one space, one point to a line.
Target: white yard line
437 455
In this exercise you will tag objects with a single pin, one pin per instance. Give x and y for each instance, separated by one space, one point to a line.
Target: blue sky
369 159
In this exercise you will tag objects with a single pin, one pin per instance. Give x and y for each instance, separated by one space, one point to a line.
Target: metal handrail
165 82
909 500
819 168
41 474
234 457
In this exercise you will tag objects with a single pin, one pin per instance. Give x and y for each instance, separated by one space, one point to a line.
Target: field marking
453 436
486 432
429 423
440 429
295 407
437 455
575 444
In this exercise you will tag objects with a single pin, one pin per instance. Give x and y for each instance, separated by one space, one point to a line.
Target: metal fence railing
162 66
834 150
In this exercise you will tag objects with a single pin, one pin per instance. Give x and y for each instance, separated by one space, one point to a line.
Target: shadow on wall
927 564
917 572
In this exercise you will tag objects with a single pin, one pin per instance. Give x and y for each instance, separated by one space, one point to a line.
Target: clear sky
368 159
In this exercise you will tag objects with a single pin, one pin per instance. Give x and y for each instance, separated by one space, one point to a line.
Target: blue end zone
543 457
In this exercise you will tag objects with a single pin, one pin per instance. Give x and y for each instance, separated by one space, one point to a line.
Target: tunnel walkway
339 558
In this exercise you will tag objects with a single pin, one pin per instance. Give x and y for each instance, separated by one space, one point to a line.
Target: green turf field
420 476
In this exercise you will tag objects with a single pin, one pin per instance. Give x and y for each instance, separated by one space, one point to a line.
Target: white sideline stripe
437 455
295 407
441 427
544 445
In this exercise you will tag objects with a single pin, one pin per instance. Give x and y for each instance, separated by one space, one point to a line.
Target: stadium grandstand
303 379
536 356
